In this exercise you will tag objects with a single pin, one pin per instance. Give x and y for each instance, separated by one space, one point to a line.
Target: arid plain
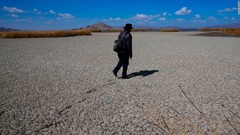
179 83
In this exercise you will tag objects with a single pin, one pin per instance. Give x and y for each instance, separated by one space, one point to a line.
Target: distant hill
2 29
100 25
231 25
157 28
135 27
181 28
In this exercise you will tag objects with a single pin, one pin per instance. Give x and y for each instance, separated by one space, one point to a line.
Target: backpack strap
123 36
127 35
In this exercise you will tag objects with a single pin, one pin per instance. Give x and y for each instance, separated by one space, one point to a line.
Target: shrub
210 29
169 30
227 31
115 30
105 30
232 31
41 34
95 30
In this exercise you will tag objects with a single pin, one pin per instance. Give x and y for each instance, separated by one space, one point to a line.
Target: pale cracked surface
65 85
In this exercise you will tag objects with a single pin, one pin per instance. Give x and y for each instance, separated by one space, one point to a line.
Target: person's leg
116 69
119 65
125 66
124 72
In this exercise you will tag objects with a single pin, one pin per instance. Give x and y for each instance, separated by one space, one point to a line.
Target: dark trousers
123 62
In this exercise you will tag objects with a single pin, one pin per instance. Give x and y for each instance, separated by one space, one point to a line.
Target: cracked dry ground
180 84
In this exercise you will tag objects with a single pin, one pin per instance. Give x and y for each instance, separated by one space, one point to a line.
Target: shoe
125 77
114 73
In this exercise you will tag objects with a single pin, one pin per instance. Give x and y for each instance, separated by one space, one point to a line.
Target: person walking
126 52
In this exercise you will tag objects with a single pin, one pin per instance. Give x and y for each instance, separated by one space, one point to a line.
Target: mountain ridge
103 26
100 25
3 29
230 25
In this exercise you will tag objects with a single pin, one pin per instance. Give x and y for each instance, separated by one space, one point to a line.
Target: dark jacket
128 42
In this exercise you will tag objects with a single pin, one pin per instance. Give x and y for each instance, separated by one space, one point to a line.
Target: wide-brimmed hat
128 26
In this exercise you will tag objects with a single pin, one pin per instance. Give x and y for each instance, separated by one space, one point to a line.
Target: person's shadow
142 73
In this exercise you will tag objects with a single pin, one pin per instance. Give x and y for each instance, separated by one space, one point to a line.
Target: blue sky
63 14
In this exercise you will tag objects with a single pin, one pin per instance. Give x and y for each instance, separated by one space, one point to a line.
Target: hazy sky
68 14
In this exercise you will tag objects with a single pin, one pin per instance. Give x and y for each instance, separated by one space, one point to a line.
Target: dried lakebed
179 84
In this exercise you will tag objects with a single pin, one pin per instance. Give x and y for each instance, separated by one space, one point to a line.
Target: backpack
119 44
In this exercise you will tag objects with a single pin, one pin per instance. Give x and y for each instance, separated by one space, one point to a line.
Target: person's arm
129 43
121 34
